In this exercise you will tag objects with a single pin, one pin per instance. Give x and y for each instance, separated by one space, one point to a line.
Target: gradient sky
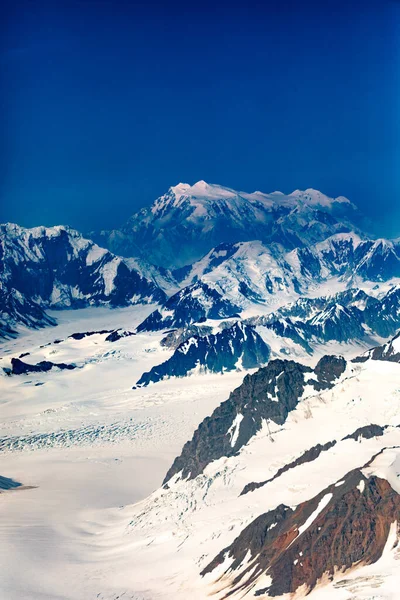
106 104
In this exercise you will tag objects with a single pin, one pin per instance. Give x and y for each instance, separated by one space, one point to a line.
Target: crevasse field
91 520
81 442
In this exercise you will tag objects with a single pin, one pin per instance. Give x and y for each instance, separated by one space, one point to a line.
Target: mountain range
290 486
297 268
186 222
55 267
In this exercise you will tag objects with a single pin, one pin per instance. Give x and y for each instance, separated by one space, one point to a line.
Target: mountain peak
315 197
187 221
202 189
180 189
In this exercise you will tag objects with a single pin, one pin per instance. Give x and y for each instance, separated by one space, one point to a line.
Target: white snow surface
272 277
85 442
96 523
185 526
321 505
204 191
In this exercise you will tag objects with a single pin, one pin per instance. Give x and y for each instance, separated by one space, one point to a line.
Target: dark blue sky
106 104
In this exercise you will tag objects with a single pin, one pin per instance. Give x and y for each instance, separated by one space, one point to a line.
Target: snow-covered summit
312 196
188 220
201 190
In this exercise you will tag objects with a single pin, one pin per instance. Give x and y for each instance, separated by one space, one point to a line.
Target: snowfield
84 440
93 521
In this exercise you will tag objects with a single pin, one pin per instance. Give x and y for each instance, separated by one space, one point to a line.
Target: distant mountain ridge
261 279
186 222
236 347
282 248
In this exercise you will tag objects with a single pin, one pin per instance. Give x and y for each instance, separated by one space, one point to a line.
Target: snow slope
185 525
87 446
83 440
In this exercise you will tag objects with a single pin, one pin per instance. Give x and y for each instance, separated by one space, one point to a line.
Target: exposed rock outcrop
240 346
388 352
193 304
174 338
119 334
367 432
267 395
19 367
16 309
83 334
347 524
307 456
8 484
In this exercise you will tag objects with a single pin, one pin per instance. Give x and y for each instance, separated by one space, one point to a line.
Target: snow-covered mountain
251 278
186 222
268 395
351 319
235 347
350 316
192 304
16 309
264 270
389 352
56 267
291 486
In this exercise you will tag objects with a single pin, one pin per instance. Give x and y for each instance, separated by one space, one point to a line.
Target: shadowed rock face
215 353
83 334
119 334
351 526
193 304
174 338
327 370
20 367
307 456
16 309
310 321
388 352
367 432
57 268
269 394
8 484
40 260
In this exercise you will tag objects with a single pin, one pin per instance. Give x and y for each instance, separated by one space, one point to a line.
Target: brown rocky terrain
345 525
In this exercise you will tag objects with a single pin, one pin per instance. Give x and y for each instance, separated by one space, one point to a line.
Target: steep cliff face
345 525
237 347
193 304
268 395
16 310
55 267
